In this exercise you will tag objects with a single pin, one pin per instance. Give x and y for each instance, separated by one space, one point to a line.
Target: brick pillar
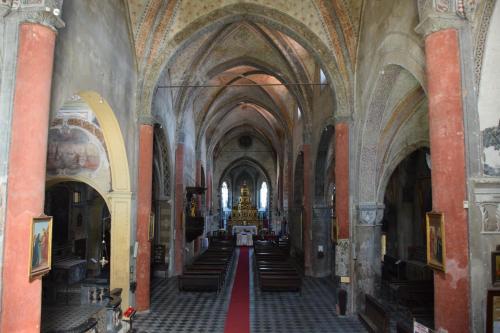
446 130
307 218
144 194
342 178
21 298
179 209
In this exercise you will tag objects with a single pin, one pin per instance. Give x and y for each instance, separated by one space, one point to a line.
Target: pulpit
195 221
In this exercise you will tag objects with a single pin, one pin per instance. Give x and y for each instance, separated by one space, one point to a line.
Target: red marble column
342 178
179 209
307 217
144 194
21 298
446 130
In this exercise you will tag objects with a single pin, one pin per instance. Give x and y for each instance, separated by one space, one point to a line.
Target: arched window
263 196
225 195
322 77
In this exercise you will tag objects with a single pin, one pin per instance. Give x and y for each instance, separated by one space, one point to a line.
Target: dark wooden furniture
393 269
209 270
199 282
375 318
274 271
159 261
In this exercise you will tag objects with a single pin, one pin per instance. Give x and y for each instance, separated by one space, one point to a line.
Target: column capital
43 12
342 119
370 213
437 15
5 8
145 119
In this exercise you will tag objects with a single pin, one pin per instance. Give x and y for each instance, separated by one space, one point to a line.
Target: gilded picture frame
40 246
151 228
334 233
495 268
493 310
436 249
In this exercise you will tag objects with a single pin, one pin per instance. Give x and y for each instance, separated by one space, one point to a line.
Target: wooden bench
208 270
413 292
375 318
199 282
280 282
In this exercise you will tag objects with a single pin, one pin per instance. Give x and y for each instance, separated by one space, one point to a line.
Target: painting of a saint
41 238
435 240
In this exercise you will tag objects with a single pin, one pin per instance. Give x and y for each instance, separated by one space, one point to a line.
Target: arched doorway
86 144
406 278
81 246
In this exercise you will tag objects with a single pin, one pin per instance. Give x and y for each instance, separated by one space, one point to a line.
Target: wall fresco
71 151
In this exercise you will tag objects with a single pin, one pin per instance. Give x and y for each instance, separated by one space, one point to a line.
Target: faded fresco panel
489 99
71 151
74 151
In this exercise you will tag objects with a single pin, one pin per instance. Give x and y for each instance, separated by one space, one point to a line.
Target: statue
192 210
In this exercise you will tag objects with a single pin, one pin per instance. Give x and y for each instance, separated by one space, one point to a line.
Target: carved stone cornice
5 7
435 23
437 15
43 12
370 213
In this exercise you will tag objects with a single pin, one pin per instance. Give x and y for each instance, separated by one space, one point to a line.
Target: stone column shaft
144 196
342 178
21 298
307 219
179 209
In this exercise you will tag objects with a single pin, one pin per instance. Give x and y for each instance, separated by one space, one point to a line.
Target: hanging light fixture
104 248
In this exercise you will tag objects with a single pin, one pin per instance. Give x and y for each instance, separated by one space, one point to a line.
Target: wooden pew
280 282
375 318
208 271
413 292
199 282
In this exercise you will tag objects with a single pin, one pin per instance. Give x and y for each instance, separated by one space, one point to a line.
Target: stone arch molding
371 125
394 163
371 131
256 13
119 199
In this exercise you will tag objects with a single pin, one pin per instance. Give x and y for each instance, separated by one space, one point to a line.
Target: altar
244 214
248 229
244 234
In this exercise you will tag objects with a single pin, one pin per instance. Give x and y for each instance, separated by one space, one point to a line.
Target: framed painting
495 268
493 311
436 255
334 232
40 246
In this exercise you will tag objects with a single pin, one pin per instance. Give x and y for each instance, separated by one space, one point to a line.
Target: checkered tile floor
65 317
311 311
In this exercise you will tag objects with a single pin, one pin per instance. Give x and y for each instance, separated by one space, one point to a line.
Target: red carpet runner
238 314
